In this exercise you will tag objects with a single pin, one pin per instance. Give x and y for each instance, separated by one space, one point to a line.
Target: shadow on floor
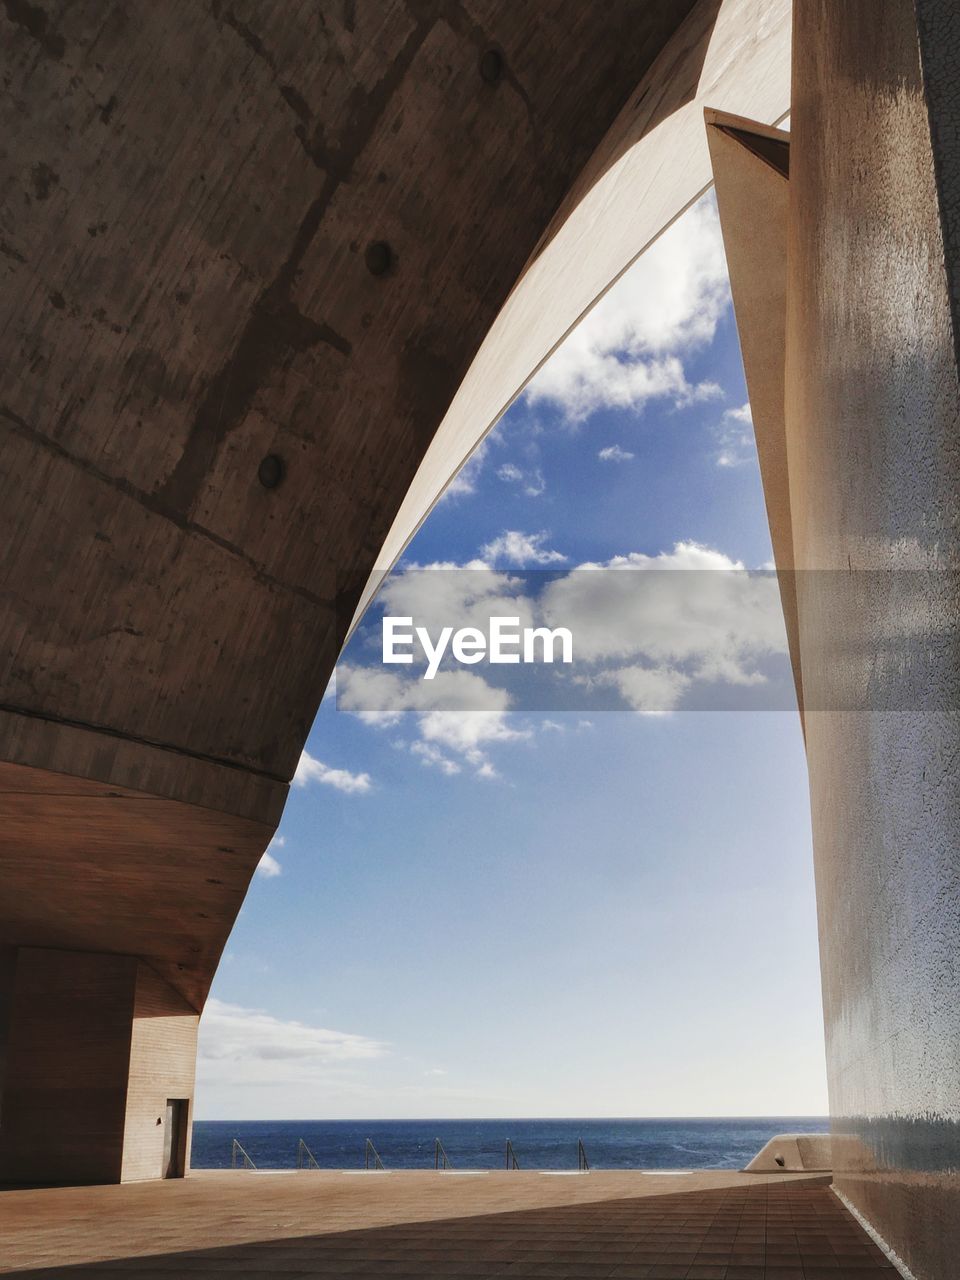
763 1233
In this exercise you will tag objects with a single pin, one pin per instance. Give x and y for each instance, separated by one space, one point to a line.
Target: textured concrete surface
873 424
705 1226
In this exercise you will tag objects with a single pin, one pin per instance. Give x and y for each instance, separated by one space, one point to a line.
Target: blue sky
555 914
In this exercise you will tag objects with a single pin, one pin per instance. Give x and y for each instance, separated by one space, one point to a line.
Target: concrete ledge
794 1153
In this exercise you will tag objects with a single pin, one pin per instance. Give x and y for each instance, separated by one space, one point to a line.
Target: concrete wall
163 1050
872 430
8 965
66 1076
97 1044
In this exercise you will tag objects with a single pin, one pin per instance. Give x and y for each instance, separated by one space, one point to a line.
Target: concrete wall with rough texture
873 425
163 1051
8 968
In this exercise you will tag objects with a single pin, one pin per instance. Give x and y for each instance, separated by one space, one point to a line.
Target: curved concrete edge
613 219
798 1152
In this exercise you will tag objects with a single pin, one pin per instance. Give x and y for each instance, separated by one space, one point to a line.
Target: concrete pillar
873 441
95 1046
163 1051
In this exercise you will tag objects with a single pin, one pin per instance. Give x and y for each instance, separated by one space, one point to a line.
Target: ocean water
481 1144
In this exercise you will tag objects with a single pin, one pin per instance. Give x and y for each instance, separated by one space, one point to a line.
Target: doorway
175 1138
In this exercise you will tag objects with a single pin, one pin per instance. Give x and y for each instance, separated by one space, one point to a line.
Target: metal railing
305 1157
240 1158
237 1153
440 1158
370 1153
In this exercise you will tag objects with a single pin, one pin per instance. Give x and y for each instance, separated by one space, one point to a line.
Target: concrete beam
751 173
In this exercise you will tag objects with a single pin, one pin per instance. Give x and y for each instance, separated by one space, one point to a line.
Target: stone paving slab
621 1225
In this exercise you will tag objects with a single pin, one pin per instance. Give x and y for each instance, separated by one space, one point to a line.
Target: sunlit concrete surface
699 1226
843 268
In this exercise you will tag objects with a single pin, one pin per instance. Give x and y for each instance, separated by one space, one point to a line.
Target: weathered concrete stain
36 23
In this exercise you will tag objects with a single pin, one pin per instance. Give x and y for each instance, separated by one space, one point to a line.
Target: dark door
175 1138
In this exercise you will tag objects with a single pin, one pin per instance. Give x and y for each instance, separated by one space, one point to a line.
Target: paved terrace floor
703 1226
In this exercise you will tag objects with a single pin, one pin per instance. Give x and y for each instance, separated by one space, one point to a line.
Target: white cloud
613 453
456 712
640 626
531 480
465 481
652 691
712 627
253 1046
431 755
743 414
268 866
443 594
467 731
736 439
521 549
387 695
628 349
312 770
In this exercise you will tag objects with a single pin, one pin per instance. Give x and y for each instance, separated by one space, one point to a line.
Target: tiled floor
733 1228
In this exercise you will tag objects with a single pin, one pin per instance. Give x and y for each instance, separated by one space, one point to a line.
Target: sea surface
481 1144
